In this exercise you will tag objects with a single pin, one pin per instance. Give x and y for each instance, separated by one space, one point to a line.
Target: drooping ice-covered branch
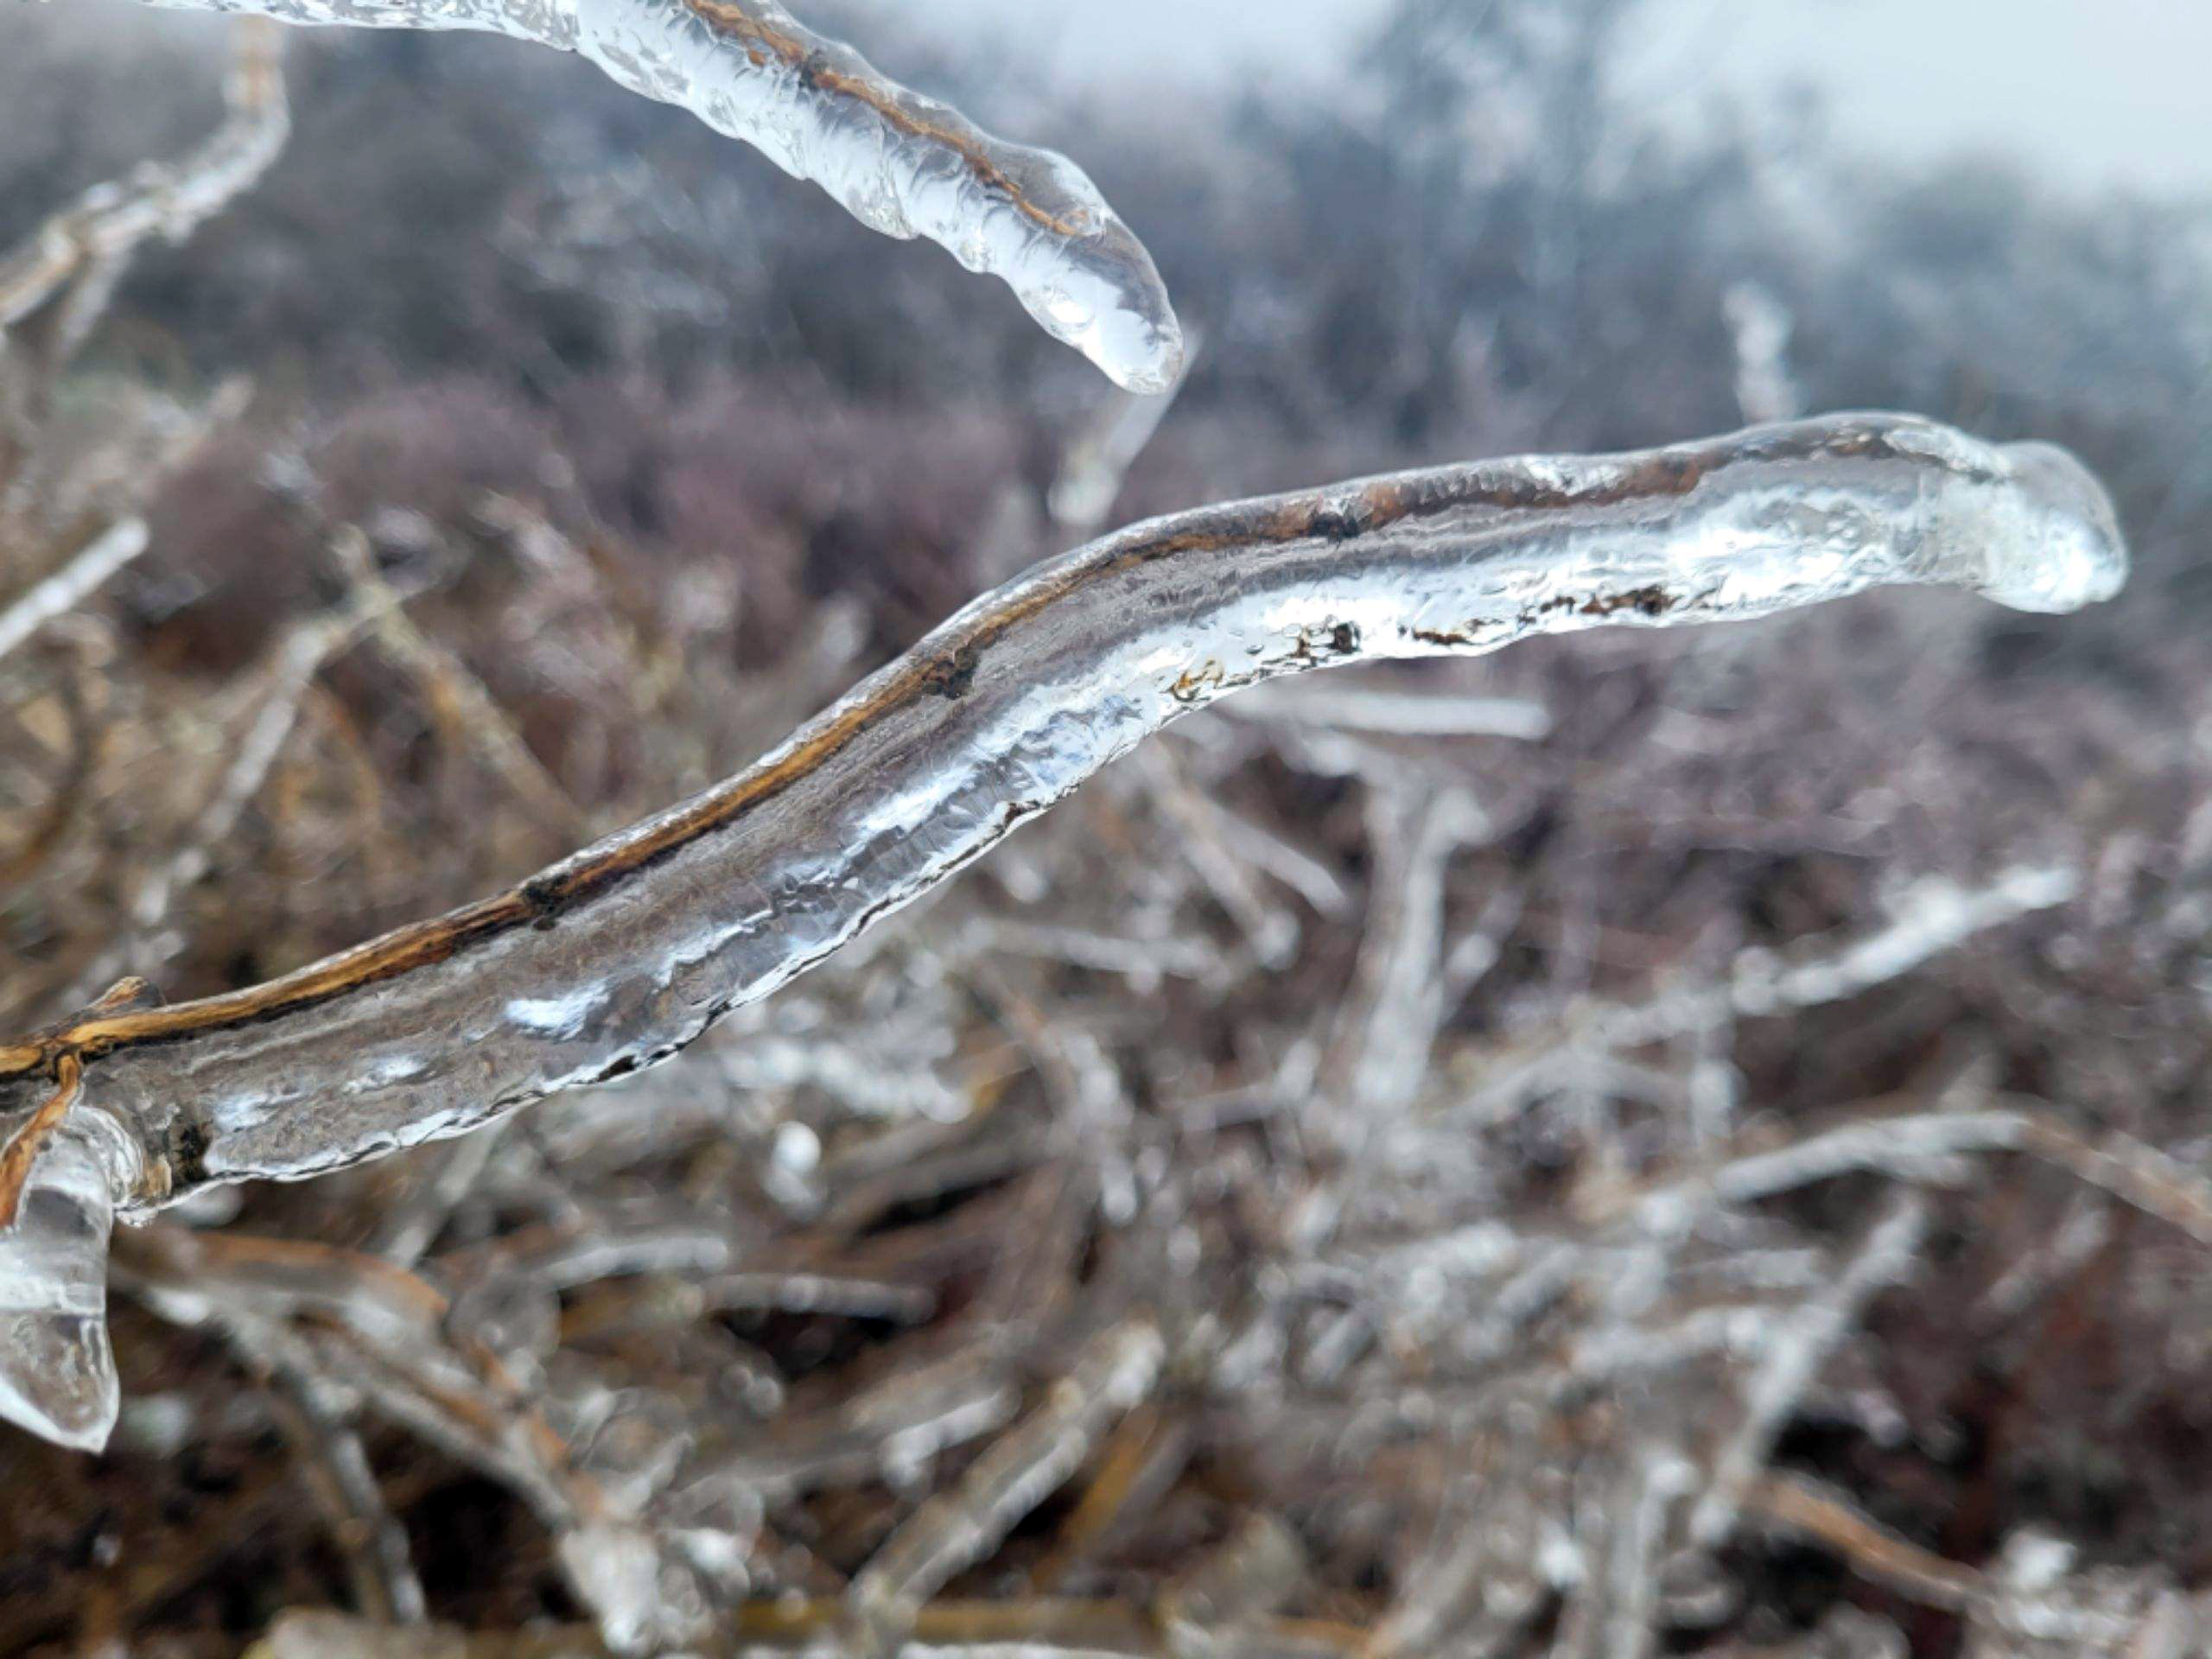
899 162
627 951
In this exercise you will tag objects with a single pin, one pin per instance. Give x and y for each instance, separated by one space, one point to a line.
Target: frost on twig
1927 1148
1398 1001
899 162
887 1434
1270 931
1491 1562
1761 326
380 1566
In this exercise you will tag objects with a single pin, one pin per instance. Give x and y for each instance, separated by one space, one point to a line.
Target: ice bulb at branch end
2023 524
2062 549
1106 301
57 1372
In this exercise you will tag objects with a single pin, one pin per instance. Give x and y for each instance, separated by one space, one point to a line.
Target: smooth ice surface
899 162
627 951
57 1373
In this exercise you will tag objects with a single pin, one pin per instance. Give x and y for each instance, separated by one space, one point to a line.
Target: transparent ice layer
622 954
57 1373
899 162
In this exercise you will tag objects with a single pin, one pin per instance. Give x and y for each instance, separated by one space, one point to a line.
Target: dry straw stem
375 1336
50 826
2027 1603
279 691
22 1147
1797 1348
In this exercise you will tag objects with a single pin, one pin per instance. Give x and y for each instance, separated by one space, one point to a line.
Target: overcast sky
2093 91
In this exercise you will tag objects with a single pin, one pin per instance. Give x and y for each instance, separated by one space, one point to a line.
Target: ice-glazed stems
899 162
624 952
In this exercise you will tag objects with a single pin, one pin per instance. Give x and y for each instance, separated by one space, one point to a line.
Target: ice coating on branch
2050 547
899 162
100 558
88 245
627 951
57 1373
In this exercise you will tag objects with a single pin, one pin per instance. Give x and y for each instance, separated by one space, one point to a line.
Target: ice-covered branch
1927 920
1029 1464
90 243
899 162
86 570
1927 1147
622 954
1795 1351
2029 1604
1401 714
